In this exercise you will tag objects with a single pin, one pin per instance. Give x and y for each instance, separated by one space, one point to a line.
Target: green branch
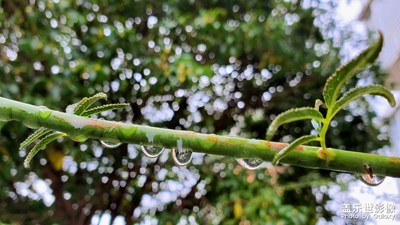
80 128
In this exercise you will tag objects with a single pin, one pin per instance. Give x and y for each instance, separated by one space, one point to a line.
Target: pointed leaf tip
336 82
85 103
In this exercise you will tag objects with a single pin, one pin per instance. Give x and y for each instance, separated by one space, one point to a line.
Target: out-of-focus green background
224 67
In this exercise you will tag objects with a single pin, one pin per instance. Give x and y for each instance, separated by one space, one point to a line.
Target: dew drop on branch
375 180
370 178
109 144
181 156
152 151
250 164
31 123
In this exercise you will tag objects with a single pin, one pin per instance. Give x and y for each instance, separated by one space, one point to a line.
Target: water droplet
152 151
31 123
109 144
250 164
370 178
373 180
44 112
181 156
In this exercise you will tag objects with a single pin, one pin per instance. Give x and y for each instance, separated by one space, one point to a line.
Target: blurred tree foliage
225 67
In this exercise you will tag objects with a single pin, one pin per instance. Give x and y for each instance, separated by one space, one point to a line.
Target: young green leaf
336 82
299 141
104 108
34 136
85 103
41 145
360 91
318 104
292 115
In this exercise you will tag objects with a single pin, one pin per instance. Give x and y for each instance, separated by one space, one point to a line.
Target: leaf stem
324 129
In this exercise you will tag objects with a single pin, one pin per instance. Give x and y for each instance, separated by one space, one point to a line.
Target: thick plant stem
81 128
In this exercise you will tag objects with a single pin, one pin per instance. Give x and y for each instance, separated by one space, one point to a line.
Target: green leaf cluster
331 93
44 136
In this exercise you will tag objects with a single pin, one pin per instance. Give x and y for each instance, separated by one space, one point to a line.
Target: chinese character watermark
378 210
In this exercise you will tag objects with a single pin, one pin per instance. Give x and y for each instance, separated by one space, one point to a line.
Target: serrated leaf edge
34 136
299 141
104 108
357 92
350 69
294 116
41 145
85 103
